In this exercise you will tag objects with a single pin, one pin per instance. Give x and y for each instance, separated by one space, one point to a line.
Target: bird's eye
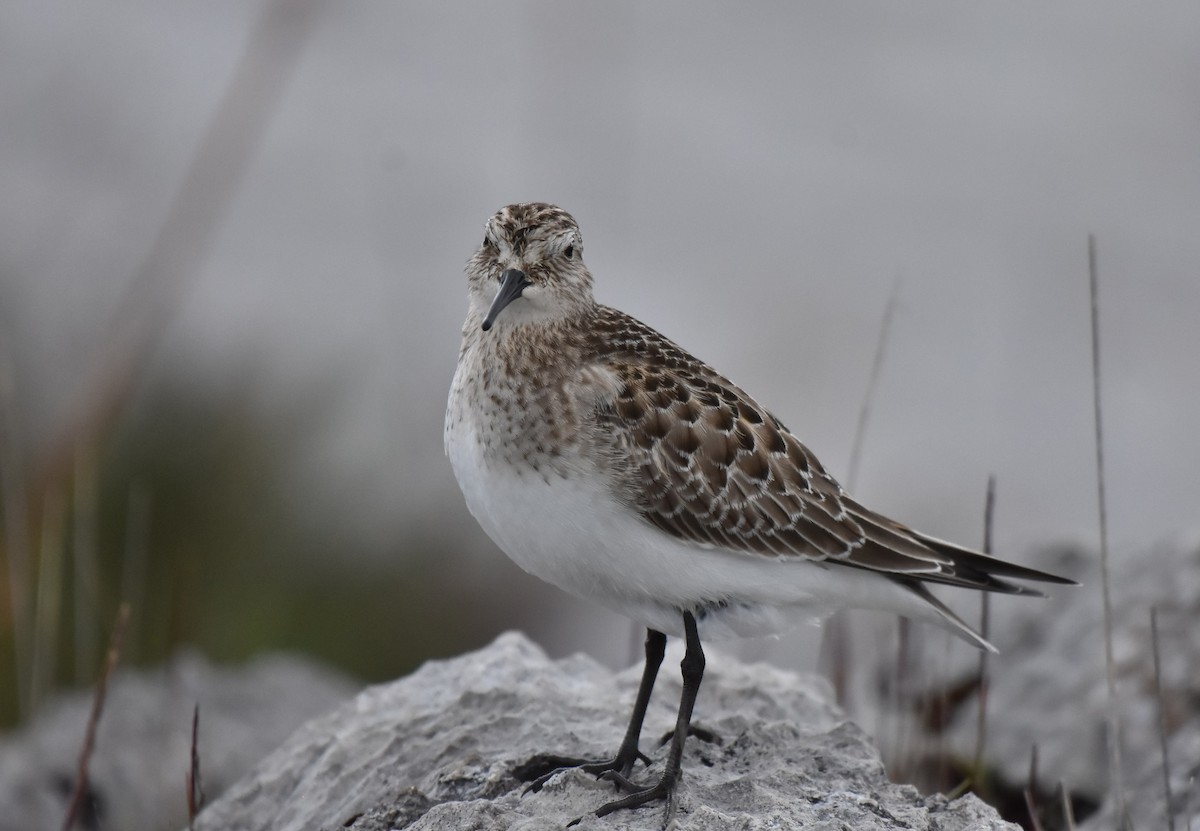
569 252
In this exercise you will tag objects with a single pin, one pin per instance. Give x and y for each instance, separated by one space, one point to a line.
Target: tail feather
891 547
973 562
954 623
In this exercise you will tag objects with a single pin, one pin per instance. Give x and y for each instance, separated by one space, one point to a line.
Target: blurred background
231 247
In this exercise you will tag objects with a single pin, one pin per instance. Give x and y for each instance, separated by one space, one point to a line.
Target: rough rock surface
436 750
1047 687
143 742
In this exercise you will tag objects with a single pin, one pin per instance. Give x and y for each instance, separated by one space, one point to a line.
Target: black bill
512 282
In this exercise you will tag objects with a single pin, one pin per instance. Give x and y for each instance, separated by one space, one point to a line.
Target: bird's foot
639 795
540 769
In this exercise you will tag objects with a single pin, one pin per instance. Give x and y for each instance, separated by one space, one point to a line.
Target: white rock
436 750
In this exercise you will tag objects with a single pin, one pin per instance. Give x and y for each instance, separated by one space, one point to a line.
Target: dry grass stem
864 412
834 656
85 564
1110 671
89 739
195 790
47 613
16 539
1162 718
989 510
1035 821
1067 809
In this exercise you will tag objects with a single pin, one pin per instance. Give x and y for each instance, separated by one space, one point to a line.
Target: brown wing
702 461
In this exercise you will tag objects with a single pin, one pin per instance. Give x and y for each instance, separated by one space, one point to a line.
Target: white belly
571 532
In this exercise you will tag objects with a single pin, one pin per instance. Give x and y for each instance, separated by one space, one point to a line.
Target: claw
623 783
540 769
664 788
536 784
640 795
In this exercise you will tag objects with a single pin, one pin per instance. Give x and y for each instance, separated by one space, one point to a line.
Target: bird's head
529 268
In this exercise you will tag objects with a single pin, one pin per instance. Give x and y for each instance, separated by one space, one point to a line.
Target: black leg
541 768
692 669
656 647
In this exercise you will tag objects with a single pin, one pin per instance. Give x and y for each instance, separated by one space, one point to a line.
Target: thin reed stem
1110 669
1162 719
79 792
989 510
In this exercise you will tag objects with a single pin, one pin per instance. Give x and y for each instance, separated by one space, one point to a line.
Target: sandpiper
607 460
